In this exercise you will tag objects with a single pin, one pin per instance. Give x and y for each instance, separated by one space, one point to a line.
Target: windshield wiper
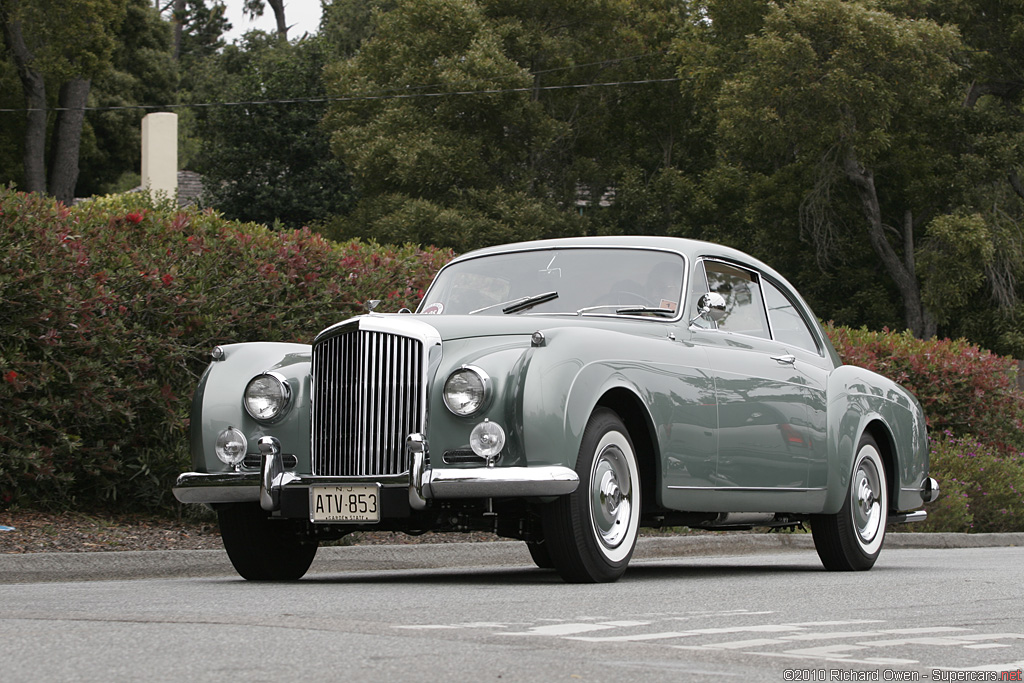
521 304
640 310
630 310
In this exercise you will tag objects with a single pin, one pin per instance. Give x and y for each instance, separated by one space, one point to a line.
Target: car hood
451 327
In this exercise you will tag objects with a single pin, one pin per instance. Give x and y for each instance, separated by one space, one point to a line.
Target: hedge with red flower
108 311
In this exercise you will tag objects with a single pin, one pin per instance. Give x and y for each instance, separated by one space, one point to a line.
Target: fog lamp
231 446
487 439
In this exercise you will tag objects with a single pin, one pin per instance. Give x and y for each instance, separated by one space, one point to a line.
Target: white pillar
160 154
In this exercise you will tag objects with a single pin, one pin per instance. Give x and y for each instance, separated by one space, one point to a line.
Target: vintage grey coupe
565 393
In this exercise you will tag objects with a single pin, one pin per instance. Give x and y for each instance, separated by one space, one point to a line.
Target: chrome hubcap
867 507
611 496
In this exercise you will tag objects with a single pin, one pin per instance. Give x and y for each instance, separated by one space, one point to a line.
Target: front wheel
539 554
852 539
262 549
591 533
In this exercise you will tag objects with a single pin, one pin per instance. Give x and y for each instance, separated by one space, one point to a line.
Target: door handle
788 359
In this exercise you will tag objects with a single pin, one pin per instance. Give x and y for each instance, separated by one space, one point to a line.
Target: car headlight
267 397
231 446
466 390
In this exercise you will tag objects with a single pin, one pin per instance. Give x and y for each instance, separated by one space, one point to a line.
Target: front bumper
424 482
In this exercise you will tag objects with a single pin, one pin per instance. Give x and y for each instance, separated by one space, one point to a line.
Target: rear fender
862 401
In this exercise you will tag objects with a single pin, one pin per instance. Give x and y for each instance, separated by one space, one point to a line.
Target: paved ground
49 567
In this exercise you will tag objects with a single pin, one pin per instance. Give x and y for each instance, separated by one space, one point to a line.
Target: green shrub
963 389
982 489
107 312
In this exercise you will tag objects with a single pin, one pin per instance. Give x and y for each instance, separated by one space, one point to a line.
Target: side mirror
710 306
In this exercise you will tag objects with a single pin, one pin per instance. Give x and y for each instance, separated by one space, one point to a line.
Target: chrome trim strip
745 489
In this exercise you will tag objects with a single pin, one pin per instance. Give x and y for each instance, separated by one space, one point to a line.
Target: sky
302 15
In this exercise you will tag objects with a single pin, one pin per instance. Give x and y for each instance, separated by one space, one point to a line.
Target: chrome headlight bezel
267 397
467 391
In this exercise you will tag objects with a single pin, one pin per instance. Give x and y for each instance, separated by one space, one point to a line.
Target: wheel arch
638 422
883 437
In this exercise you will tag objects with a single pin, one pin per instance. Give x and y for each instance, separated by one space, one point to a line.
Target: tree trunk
178 21
34 88
282 25
67 139
902 271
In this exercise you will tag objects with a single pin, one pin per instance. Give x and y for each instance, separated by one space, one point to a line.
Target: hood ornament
371 304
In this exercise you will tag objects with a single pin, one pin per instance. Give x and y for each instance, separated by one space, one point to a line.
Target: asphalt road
770 614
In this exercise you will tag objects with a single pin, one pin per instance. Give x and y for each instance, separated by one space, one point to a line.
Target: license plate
356 503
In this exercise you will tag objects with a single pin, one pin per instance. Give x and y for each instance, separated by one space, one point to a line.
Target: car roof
689 248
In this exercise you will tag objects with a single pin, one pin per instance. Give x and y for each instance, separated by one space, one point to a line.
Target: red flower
134 218
167 279
11 377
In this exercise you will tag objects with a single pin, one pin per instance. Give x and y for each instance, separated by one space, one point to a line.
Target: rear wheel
262 549
852 539
591 533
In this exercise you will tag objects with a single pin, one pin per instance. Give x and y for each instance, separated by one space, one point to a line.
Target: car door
770 398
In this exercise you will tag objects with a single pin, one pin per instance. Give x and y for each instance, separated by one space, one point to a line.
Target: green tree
346 23
432 165
198 28
859 108
641 145
993 74
57 50
269 161
143 72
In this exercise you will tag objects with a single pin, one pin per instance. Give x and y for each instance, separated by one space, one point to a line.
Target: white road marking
635 637
777 640
827 651
572 629
831 635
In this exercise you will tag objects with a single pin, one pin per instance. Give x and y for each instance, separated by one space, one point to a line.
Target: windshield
630 282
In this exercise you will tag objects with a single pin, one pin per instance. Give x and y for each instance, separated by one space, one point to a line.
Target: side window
788 326
744 307
698 288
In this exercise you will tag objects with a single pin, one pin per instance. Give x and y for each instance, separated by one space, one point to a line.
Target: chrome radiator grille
367 398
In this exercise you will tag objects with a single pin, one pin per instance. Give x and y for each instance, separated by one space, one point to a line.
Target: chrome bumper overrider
424 482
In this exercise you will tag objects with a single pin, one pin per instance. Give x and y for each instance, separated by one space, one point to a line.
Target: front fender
217 402
570 374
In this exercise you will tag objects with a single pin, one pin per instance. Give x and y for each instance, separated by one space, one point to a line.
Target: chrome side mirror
710 306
